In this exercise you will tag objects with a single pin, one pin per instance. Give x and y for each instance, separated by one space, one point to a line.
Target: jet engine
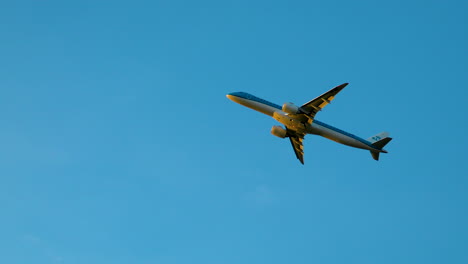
290 108
278 131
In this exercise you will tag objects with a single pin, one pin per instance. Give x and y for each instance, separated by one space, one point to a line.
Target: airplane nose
230 97
234 97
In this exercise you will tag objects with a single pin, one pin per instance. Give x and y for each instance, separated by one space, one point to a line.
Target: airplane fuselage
315 127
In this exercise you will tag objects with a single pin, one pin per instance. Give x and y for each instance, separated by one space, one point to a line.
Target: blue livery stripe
254 98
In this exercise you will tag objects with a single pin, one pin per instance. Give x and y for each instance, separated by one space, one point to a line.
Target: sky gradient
118 145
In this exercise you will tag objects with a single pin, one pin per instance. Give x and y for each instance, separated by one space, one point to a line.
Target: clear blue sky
118 145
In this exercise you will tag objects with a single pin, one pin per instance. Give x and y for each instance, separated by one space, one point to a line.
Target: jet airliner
300 120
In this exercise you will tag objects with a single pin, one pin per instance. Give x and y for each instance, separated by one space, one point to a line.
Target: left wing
296 142
314 106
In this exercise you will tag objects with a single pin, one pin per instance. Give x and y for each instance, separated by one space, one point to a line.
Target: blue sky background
118 145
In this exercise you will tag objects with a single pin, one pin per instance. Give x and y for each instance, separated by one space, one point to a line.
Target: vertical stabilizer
378 137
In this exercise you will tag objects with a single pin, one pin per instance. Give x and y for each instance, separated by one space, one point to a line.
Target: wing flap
314 106
296 142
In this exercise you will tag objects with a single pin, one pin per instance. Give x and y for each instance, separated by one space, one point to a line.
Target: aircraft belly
290 122
337 137
263 108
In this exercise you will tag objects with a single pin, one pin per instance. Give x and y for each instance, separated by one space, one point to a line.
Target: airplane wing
296 142
314 106
308 112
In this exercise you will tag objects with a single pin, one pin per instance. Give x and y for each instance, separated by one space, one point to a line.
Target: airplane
300 121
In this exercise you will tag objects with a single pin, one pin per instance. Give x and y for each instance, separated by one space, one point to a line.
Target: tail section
379 141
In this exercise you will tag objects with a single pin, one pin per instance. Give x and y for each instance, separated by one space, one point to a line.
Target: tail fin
379 141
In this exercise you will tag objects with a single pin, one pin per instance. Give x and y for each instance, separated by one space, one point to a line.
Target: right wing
296 142
314 106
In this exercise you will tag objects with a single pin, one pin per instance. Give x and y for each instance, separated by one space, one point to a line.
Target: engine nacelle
290 108
278 131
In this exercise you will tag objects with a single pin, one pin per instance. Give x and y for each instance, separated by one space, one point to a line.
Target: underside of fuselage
315 128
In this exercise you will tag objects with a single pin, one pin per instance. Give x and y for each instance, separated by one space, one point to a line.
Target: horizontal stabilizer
379 141
375 155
